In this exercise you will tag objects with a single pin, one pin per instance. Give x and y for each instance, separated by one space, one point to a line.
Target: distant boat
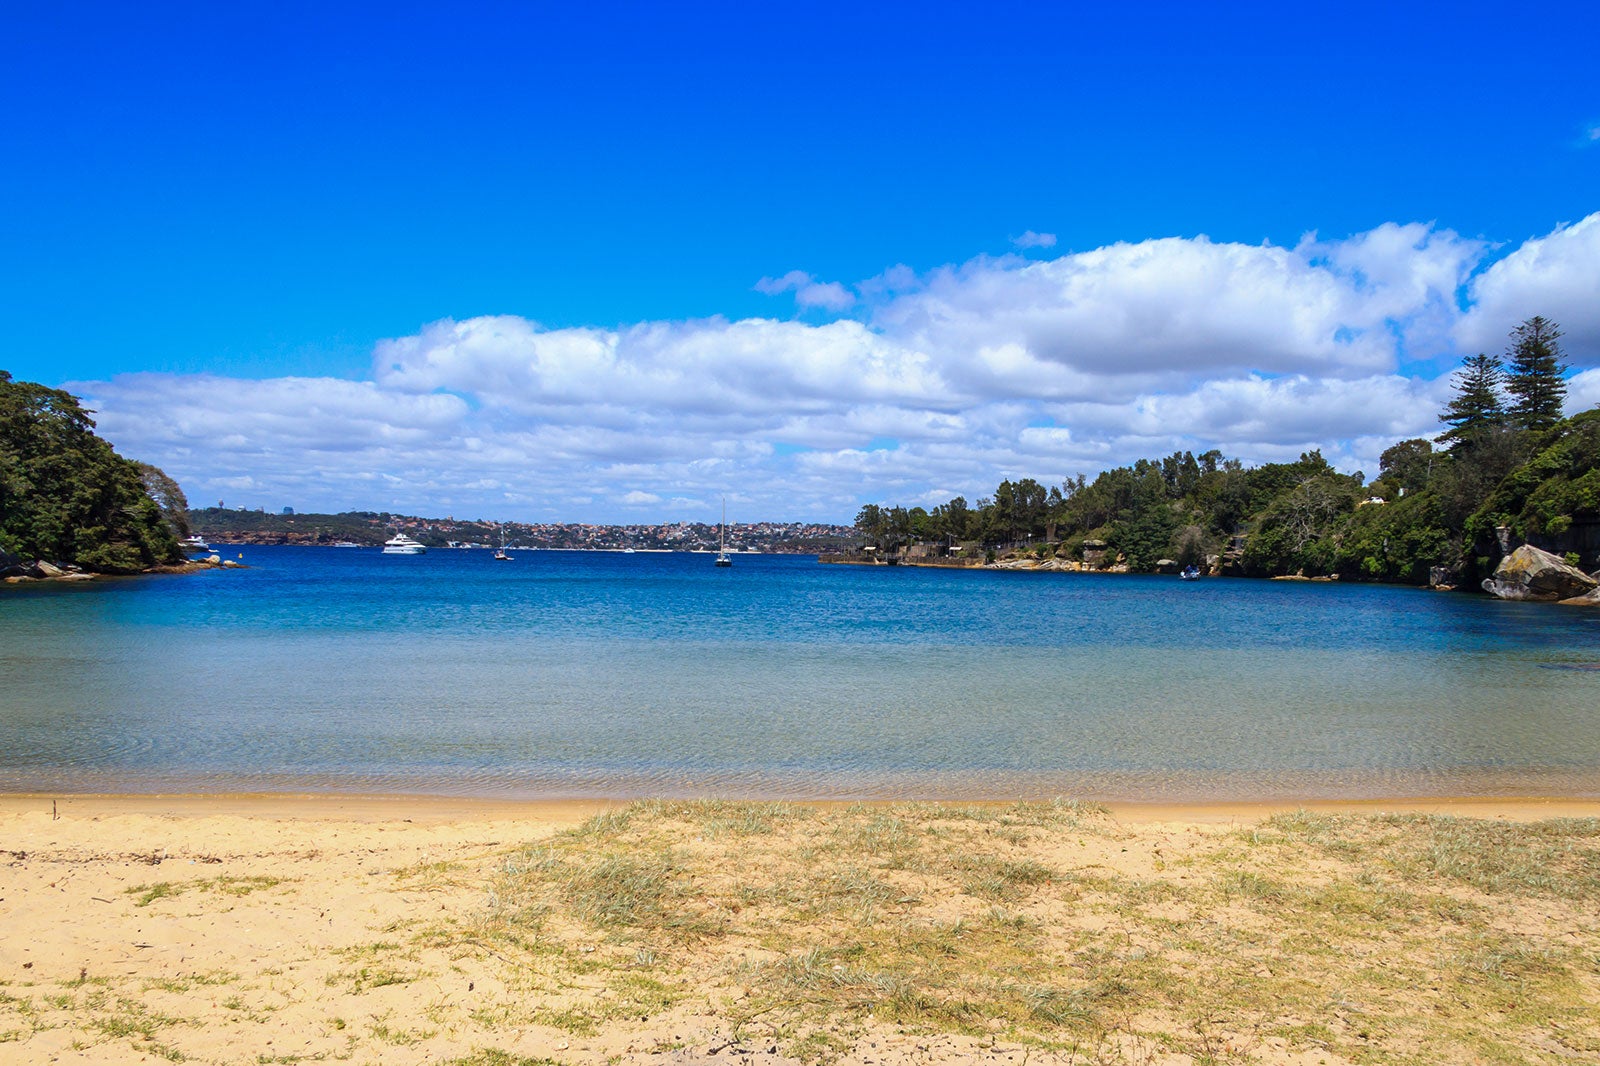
1190 573
195 543
722 538
500 552
344 544
400 544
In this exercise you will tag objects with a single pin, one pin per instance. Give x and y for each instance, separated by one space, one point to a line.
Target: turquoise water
597 674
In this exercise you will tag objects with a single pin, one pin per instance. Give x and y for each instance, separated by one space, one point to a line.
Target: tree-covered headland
66 497
1506 469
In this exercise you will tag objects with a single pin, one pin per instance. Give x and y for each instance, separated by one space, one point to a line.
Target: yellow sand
284 919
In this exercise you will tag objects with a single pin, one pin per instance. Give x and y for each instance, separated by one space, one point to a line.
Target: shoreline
557 813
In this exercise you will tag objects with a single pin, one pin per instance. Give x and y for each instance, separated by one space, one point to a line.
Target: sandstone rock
44 569
1532 574
1588 599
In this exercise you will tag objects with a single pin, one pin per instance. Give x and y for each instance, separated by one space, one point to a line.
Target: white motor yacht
400 544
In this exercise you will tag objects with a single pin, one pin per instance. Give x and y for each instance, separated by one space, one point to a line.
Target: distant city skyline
613 265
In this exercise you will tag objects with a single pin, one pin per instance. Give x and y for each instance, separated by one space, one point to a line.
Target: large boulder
1531 574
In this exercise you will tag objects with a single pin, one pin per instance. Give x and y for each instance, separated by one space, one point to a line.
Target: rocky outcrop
13 571
1531 574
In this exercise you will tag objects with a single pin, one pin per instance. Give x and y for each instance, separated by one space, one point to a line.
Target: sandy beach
255 929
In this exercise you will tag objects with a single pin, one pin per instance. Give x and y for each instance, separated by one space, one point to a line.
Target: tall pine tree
1476 410
1535 379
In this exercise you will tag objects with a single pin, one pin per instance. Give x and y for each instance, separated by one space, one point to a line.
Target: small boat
722 538
195 543
400 544
500 552
1190 573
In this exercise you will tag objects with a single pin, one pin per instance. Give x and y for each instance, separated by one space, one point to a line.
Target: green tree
168 496
1534 378
1145 536
1400 541
65 495
872 522
1031 507
1406 466
899 523
952 520
1476 412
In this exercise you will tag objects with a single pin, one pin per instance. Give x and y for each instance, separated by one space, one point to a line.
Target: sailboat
722 537
500 552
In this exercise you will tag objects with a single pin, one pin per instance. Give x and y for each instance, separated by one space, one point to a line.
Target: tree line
1505 459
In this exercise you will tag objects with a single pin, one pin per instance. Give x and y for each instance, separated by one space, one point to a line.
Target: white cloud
1583 391
1181 310
946 382
1030 239
808 292
1557 276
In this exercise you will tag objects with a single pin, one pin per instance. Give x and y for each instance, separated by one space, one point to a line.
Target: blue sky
214 205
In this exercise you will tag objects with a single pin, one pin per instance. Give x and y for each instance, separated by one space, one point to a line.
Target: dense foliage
66 497
1508 464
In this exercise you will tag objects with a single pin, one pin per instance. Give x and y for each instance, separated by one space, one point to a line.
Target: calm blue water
584 674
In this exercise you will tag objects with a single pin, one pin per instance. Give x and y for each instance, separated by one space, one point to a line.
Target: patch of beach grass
1559 857
148 894
398 1035
230 886
786 883
365 978
132 1020
495 1057
186 982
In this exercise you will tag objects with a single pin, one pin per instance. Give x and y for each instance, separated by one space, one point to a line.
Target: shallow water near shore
566 674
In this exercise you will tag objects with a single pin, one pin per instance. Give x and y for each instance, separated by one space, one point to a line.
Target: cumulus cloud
808 292
1557 276
943 382
1583 391
1189 308
1030 239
